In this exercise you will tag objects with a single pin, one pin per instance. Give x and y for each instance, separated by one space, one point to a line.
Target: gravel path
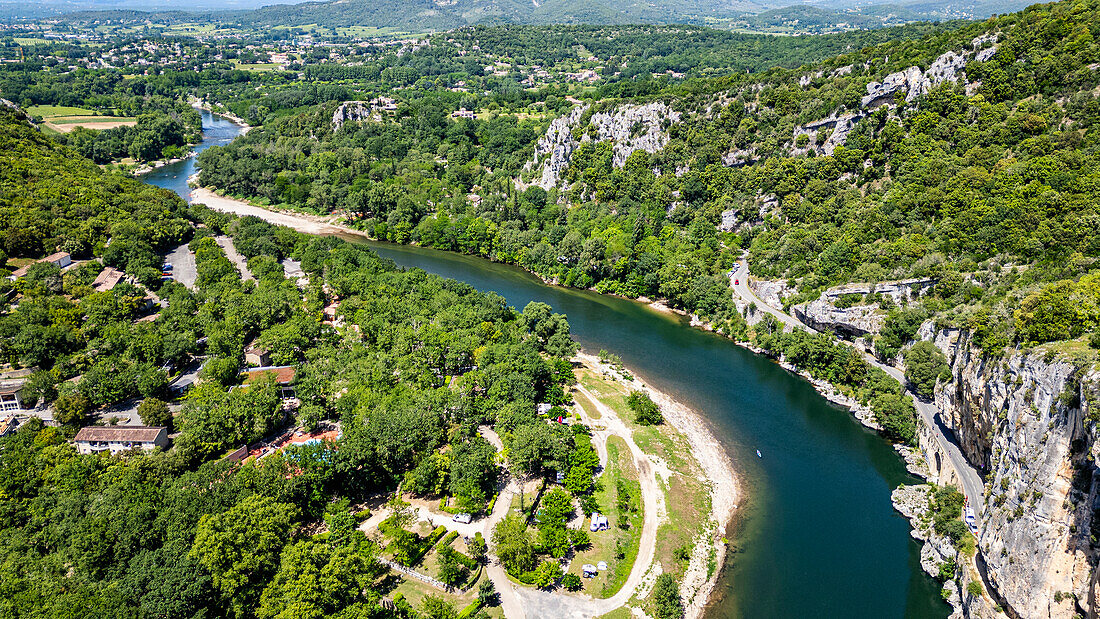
234 256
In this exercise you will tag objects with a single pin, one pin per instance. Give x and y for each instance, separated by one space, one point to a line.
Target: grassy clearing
617 546
415 591
258 66
586 404
49 111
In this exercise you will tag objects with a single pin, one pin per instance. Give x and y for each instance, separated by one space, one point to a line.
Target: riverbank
296 221
237 120
153 166
705 455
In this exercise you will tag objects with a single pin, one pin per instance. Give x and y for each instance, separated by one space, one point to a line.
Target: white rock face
985 54
913 82
858 320
351 111
771 292
840 126
1024 420
556 147
729 221
629 127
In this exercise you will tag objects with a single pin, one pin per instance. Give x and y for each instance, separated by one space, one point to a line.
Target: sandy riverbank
296 221
716 465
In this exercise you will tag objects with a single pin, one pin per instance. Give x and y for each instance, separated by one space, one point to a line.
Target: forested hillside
53 200
980 179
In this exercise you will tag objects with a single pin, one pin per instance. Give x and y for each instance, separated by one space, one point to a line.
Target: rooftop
109 434
283 374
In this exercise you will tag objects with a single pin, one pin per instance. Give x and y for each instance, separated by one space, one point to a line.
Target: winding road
972 485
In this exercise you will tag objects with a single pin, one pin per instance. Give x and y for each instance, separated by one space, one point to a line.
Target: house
61 259
284 376
257 355
119 439
107 279
463 113
12 389
8 425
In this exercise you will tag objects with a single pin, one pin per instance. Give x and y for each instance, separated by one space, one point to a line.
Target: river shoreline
913 460
312 224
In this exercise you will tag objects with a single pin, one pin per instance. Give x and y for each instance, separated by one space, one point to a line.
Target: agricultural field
63 119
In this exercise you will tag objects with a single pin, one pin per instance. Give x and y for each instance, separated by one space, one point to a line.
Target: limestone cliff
629 127
1023 419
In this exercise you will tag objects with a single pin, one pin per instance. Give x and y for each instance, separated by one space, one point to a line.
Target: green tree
72 408
513 545
646 411
925 364
316 581
547 574
154 412
666 598
241 547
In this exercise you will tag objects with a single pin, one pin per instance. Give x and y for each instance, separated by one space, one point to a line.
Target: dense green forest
183 532
986 191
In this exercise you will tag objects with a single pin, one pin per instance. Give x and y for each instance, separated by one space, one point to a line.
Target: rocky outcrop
829 312
838 127
937 551
555 149
910 82
352 111
853 322
629 127
914 82
1024 420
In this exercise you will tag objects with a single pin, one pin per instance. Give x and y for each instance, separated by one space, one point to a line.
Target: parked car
463 518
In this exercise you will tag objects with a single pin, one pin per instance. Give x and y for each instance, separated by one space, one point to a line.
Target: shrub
646 411
666 598
974 588
571 582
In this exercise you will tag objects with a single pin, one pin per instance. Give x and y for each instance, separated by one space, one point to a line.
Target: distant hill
434 15
443 14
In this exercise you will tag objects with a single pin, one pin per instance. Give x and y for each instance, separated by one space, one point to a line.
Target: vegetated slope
637 51
428 14
947 183
52 199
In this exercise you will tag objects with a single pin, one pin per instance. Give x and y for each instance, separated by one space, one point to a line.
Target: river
816 535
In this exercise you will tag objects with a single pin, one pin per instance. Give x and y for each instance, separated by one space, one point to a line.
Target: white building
119 439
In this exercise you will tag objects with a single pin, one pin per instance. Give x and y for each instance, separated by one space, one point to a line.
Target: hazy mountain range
423 15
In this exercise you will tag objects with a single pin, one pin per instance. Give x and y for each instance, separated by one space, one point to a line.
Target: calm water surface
817 536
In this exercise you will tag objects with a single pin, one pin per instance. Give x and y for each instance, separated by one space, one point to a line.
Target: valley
495 310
